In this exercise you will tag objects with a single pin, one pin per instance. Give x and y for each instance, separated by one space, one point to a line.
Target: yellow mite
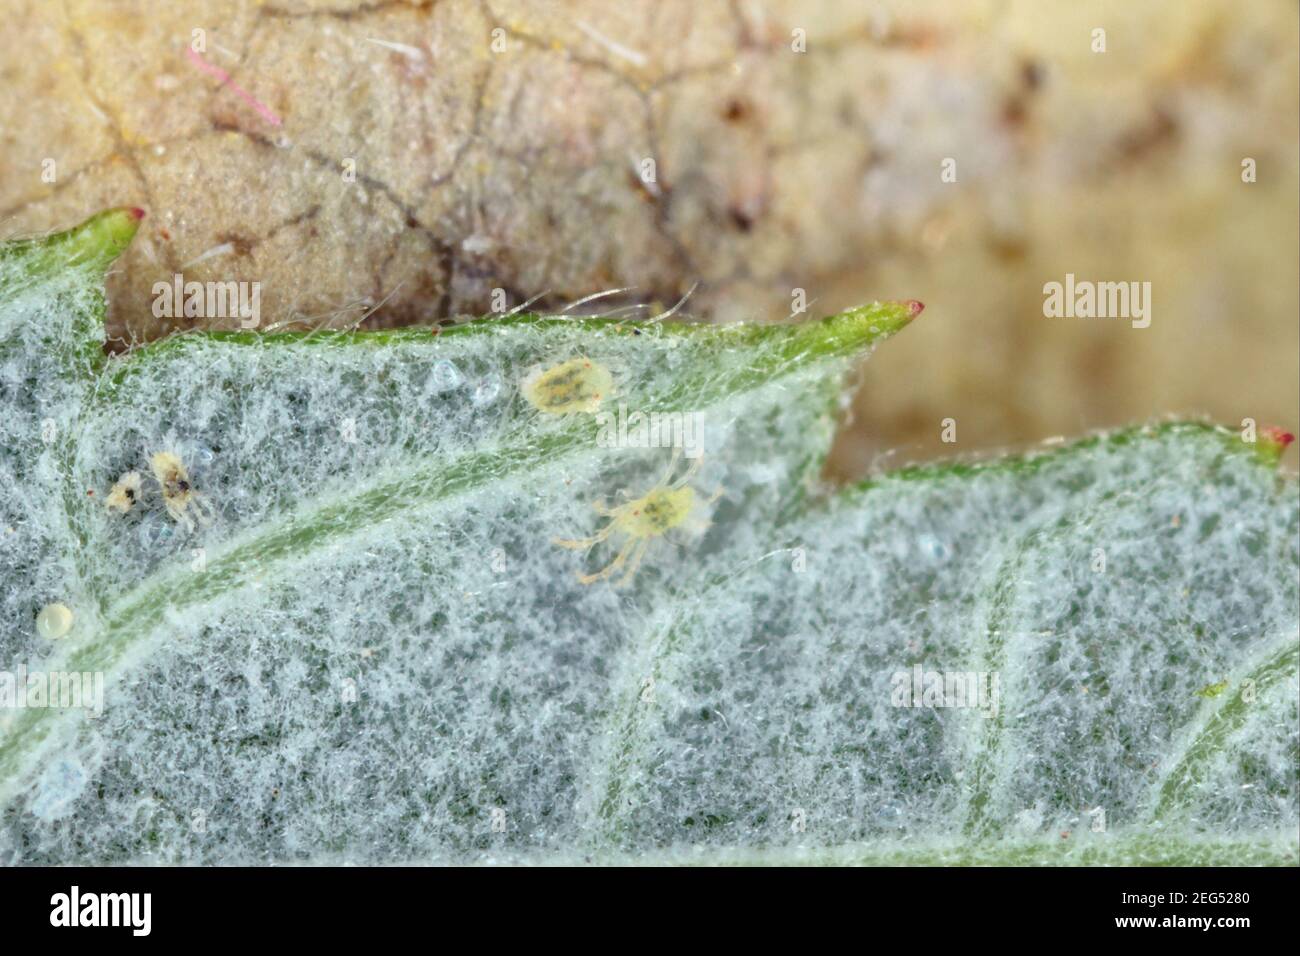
184 503
578 385
125 493
664 507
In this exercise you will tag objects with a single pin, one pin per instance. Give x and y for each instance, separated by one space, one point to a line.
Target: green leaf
351 454
775 703
370 646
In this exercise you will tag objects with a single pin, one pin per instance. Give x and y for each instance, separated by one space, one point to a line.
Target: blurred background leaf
526 170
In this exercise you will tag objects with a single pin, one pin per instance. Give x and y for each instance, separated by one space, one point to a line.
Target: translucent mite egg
445 375
54 621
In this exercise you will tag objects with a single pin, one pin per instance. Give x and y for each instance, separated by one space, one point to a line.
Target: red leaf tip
1277 436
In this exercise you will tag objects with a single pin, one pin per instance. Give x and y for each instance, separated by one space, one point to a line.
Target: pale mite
184 503
664 507
125 493
578 385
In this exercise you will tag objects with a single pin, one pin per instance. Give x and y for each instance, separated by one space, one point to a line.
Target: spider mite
184 504
578 385
125 493
667 505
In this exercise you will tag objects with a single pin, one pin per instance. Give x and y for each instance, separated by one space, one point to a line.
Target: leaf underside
376 651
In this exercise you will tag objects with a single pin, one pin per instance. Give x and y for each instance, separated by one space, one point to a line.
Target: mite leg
635 563
204 509
577 544
690 472
613 566
672 465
